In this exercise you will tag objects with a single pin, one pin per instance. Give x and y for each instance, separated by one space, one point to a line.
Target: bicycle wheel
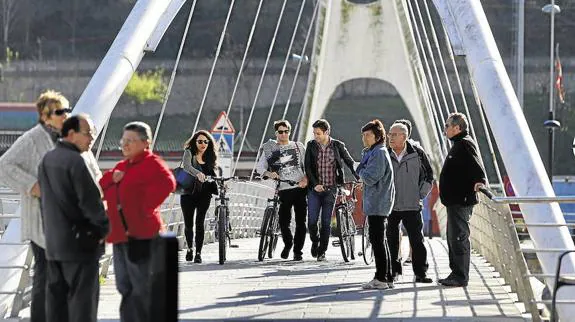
341 232
366 244
351 230
275 232
222 233
265 234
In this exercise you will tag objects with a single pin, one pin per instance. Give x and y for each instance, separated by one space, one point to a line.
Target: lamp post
551 124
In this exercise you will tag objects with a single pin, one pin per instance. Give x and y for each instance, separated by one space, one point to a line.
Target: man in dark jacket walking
75 224
413 178
324 159
461 177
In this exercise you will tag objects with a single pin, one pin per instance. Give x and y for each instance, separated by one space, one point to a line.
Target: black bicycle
270 230
223 226
346 228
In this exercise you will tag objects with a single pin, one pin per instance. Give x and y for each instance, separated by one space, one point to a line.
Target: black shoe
285 252
321 257
453 283
297 258
189 255
423 279
314 249
449 277
198 258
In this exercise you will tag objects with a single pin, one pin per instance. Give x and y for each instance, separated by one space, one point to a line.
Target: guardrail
495 236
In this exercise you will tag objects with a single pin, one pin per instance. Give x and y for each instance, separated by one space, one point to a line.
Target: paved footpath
245 289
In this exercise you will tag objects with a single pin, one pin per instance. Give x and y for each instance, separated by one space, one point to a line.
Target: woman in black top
200 160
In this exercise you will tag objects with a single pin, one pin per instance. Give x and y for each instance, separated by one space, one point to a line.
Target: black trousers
197 204
378 239
38 305
458 241
296 198
72 291
413 223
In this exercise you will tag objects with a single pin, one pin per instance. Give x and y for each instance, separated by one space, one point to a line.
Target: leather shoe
453 283
314 249
285 251
297 258
423 279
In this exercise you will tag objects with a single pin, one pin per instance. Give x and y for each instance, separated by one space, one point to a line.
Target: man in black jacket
75 224
461 177
324 158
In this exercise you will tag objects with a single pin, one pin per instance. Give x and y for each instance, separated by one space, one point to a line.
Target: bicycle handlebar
290 182
224 179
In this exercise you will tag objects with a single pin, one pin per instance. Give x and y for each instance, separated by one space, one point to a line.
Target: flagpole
551 124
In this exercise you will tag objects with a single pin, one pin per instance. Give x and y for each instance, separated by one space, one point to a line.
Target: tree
146 87
9 12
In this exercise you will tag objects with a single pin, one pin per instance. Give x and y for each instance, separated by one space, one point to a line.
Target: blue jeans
133 283
320 202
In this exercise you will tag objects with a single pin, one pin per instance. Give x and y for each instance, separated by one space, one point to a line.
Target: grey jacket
377 176
19 171
413 177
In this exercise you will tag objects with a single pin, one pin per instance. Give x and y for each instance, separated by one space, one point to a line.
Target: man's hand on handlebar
271 175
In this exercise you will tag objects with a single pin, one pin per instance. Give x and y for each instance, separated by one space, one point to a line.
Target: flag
559 76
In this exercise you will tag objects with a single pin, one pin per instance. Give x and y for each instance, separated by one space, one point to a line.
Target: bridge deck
246 289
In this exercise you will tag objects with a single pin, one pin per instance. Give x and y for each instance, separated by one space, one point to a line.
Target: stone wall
24 80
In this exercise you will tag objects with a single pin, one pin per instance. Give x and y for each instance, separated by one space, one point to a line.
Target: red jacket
147 182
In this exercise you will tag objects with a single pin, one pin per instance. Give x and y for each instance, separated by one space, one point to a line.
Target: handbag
139 250
186 183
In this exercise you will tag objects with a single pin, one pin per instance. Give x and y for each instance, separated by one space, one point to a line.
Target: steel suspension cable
488 136
270 50
438 48
428 102
173 76
102 137
436 109
432 58
302 55
426 62
217 55
456 70
279 85
244 58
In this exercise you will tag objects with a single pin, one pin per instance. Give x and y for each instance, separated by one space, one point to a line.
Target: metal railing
495 236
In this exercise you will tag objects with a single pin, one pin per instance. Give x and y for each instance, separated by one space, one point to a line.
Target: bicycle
366 250
346 228
270 230
223 226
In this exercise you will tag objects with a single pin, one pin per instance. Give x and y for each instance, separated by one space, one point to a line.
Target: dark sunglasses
62 111
203 141
283 131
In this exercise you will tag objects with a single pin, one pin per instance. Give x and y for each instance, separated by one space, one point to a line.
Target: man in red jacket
134 190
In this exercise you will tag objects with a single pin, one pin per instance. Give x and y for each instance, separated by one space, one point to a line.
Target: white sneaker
375 284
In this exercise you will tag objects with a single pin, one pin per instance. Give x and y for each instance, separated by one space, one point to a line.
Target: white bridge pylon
372 40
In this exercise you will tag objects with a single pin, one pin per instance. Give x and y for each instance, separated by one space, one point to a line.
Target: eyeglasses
89 133
282 131
394 135
127 141
62 111
203 141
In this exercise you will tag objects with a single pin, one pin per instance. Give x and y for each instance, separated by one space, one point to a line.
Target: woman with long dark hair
199 159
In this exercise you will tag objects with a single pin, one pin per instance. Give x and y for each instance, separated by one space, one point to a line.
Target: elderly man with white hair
413 178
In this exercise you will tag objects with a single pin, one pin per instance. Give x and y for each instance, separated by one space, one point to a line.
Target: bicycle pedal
234 246
335 243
